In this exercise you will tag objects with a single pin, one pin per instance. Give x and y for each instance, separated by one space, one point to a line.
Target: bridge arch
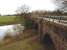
53 35
47 41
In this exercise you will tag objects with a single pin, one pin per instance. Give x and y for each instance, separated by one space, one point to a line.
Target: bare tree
22 12
24 16
23 9
61 4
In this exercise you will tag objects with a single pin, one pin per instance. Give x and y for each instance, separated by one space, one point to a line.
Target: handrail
55 20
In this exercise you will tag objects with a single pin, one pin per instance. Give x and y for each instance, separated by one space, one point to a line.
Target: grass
30 43
7 20
26 44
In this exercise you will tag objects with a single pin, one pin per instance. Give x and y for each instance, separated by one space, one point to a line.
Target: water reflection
11 30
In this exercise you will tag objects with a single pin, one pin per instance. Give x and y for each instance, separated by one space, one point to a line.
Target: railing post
59 19
53 19
49 18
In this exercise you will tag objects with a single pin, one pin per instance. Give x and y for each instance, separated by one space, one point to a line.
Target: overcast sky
10 6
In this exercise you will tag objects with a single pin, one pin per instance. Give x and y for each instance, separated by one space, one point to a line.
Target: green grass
7 20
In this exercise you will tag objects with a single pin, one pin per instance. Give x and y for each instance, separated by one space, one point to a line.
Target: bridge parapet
57 32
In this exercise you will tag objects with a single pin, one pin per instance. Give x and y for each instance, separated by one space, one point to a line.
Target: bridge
52 31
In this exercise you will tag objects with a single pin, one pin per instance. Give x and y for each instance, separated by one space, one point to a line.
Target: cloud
10 6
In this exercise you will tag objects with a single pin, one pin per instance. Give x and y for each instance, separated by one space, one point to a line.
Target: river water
12 30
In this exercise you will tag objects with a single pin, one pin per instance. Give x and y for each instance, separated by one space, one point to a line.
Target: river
12 30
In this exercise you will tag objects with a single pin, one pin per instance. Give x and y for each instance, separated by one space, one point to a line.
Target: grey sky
10 6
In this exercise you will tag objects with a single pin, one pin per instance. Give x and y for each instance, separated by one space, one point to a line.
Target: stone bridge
50 30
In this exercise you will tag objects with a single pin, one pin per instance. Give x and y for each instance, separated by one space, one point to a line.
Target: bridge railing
56 19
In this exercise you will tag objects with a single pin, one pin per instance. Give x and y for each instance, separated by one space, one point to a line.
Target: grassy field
7 20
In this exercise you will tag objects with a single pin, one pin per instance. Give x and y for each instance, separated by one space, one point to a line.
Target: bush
28 23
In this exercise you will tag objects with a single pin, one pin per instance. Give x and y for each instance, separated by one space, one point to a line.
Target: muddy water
12 30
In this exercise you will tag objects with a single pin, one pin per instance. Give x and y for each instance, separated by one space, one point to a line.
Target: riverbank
27 42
